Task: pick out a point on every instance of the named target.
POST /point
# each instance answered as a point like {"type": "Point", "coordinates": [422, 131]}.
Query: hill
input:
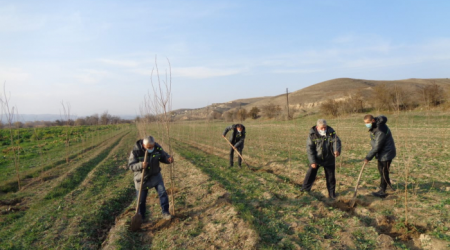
{"type": "Point", "coordinates": [311, 96]}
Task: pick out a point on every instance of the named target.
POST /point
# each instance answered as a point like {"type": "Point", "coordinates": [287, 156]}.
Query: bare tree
{"type": "Point", "coordinates": [271, 110]}
{"type": "Point", "coordinates": [433, 95]}
{"type": "Point", "coordinates": [66, 117]}
{"type": "Point", "coordinates": [241, 114]}
{"type": "Point", "coordinates": [381, 97]}
{"type": "Point", "coordinates": [330, 107]}
{"type": "Point", "coordinates": [254, 112]}
{"type": "Point", "coordinates": [162, 96]}
{"type": "Point", "coordinates": [229, 115]}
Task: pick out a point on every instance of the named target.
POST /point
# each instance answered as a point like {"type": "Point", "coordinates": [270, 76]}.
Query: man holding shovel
{"type": "Point", "coordinates": [151, 176]}
{"type": "Point", "coordinates": [383, 148]}
{"type": "Point", "coordinates": [323, 146]}
{"type": "Point", "coordinates": [237, 140]}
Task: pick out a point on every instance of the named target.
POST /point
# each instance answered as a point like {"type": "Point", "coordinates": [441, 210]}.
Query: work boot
{"type": "Point", "coordinates": [381, 193]}
{"type": "Point", "coordinates": [167, 216]}
{"type": "Point", "coordinates": [332, 195]}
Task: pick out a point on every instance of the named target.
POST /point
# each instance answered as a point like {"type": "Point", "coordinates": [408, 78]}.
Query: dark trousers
{"type": "Point", "coordinates": [329, 175]}
{"type": "Point", "coordinates": [383, 168]}
{"type": "Point", "coordinates": [239, 149]}
{"type": "Point", "coordinates": [156, 182]}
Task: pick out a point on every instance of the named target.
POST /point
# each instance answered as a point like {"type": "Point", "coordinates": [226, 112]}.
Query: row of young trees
{"type": "Point", "coordinates": [391, 98]}
{"type": "Point", "coordinates": [269, 111]}
{"type": "Point", "coordinates": [95, 119]}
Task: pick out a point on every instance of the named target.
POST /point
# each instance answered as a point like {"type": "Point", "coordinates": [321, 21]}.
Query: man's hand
{"type": "Point", "coordinates": [336, 154]}
{"type": "Point", "coordinates": [366, 161]}
{"type": "Point", "coordinates": [144, 165]}
{"type": "Point", "coordinates": [223, 136]}
{"type": "Point", "coordinates": [170, 160]}
{"type": "Point", "coordinates": [314, 165]}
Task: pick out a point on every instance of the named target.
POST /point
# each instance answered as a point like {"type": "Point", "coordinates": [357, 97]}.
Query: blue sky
{"type": "Point", "coordinates": [98, 55]}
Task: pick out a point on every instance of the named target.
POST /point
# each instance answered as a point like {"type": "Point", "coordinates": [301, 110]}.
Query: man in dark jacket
{"type": "Point", "coordinates": [237, 139]}
{"type": "Point", "coordinates": [383, 148]}
{"type": "Point", "coordinates": [152, 174]}
{"type": "Point", "coordinates": [323, 146]}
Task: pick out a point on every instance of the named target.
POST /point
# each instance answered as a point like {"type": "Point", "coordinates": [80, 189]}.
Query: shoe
{"type": "Point", "coordinates": [167, 216]}
{"type": "Point", "coordinates": [380, 194]}
{"type": "Point", "coordinates": [332, 196]}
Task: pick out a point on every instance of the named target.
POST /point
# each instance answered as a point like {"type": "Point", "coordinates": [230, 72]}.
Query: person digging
{"type": "Point", "coordinates": [152, 176]}
{"type": "Point", "coordinates": [237, 140]}
{"type": "Point", "coordinates": [383, 149]}
{"type": "Point", "coordinates": [323, 146]}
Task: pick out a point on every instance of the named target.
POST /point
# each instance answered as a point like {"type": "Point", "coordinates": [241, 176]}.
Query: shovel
{"type": "Point", "coordinates": [237, 152]}
{"type": "Point", "coordinates": [136, 221]}
{"type": "Point", "coordinates": [352, 203]}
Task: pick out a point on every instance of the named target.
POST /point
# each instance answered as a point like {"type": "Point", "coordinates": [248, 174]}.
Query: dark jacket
{"type": "Point", "coordinates": [237, 139]}
{"type": "Point", "coordinates": [320, 149]}
{"type": "Point", "coordinates": [137, 157]}
{"type": "Point", "coordinates": [381, 140]}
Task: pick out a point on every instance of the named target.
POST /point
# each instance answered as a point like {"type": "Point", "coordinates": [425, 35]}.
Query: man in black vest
{"type": "Point", "coordinates": [383, 148]}
{"type": "Point", "coordinates": [152, 176]}
{"type": "Point", "coordinates": [237, 139]}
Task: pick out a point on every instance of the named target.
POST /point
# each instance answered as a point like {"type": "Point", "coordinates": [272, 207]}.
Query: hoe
{"type": "Point", "coordinates": [237, 152]}
{"type": "Point", "coordinates": [352, 203]}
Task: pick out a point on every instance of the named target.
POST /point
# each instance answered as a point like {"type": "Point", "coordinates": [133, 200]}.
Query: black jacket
{"type": "Point", "coordinates": [381, 140]}
{"type": "Point", "coordinates": [320, 149]}
{"type": "Point", "coordinates": [237, 139]}
{"type": "Point", "coordinates": [137, 157]}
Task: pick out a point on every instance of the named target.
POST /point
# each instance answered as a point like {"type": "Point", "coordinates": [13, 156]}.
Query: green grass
{"type": "Point", "coordinates": [76, 215]}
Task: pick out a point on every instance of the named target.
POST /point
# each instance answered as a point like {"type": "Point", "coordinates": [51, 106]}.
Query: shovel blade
{"type": "Point", "coordinates": [136, 222]}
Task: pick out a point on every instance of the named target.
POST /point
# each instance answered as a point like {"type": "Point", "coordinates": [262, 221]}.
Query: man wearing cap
{"type": "Point", "coordinates": [323, 146]}
{"type": "Point", "coordinates": [237, 139]}
{"type": "Point", "coordinates": [152, 174]}
{"type": "Point", "coordinates": [383, 149]}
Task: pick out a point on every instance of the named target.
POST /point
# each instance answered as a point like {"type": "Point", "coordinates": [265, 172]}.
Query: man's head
{"type": "Point", "coordinates": [239, 128]}
{"type": "Point", "coordinates": [148, 142]}
{"type": "Point", "coordinates": [369, 120]}
{"type": "Point", "coordinates": [321, 125]}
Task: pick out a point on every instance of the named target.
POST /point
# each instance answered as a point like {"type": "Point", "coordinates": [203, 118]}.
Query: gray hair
{"type": "Point", "coordinates": [321, 122]}
{"type": "Point", "coordinates": [149, 140]}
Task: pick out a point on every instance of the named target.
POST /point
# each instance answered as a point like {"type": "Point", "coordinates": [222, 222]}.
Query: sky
{"type": "Point", "coordinates": [99, 55]}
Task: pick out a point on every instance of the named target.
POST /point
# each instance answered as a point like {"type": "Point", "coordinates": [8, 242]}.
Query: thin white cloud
{"type": "Point", "coordinates": [192, 72]}
{"type": "Point", "coordinates": [120, 63]}
{"type": "Point", "coordinates": [203, 72]}
{"type": "Point", "coordinates": [296, 71]}
{"type": "Point", "coordinates": [13, 75]}
{"type": "Point", "coordinates": [89, 76]}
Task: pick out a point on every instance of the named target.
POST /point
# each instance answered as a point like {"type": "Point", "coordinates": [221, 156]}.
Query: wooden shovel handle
{"type": "Point", "coordinates": [142, 183]}
{"type": "Point", "coordinates": [236, 150]}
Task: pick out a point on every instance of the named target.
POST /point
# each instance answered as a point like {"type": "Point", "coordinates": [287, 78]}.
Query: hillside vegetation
{"type": "Point", "coordinates": [311, 97]}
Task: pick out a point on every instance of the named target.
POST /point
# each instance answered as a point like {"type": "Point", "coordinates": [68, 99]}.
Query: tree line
{"type": "Point", "coordinates": [103, 119]}
{"type": "Point", "coordinates": [390, 98]}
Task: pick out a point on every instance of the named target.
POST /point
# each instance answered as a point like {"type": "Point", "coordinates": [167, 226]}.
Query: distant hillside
{"type": "Point", "coordinates": [310, 97]}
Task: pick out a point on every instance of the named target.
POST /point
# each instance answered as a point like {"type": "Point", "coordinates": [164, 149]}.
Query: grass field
{"type": "Point", "coordinates": [88, 203]}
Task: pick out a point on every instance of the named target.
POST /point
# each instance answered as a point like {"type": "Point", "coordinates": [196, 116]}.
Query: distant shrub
{"type": "Point", "coordinates": [271, 110]}
{"type": "Point", "coordinates": [254, 112]}
{"type": "Point", "coordinates": [241, 114]}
